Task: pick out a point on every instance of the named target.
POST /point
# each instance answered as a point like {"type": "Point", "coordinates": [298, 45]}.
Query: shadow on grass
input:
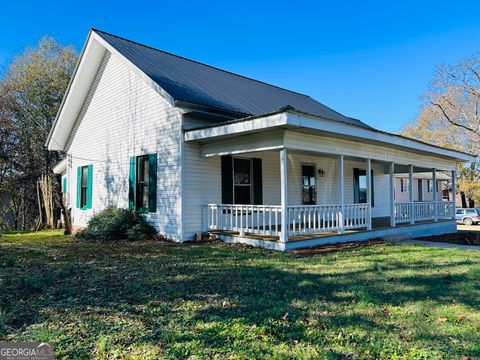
{"type": "Point", "coordinates": [210, 299]}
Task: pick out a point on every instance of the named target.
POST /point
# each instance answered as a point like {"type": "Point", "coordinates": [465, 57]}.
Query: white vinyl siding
{"type": "Point", "coordinates": [123, 116]}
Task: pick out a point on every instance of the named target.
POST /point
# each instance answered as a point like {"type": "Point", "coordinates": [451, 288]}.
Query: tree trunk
{"type": "Point", "coordinates": [66, 213]}
{"type": "Point", "coordinates": [464, 200]}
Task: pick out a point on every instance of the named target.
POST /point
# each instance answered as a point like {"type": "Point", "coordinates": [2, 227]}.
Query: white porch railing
{"type": "Point", "coordinates": [308, 219]}
{"type": "Point", "coordinates": [302, 219]}
{"type": "Point", "coordinates": [423, 211]}
{"type": "Point", "coordinates": [356, 216]}
{"type": "Point", "coordinates": [445, 209]}
{"type": "Point", "coordinates": [254, 219]}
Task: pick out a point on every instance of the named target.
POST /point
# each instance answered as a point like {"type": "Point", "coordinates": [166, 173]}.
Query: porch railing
{"type": "Point", "coordinates": [307, 219]}
{"type": "Point", "coordinates": [254, 219]}
{"type": "Point", "coordinates": [302, 219]}
{"type": "Point", "coordinates": [423, 211]}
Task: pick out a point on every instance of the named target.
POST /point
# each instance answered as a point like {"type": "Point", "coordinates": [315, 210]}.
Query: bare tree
{"type": "Point", "coordinates": [31, 90]}
{"type": "Point", "coordinates": [450, 117]}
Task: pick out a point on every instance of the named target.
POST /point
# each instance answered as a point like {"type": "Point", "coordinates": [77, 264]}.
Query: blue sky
{"type": "Point", "coordinates": [367, 59]}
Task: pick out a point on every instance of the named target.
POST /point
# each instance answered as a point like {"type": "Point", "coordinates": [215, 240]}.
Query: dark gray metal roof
{"type": "Point", "coordinates": [199, 84]}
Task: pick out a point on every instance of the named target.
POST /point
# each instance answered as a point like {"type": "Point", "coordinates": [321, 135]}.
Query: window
{"type": "Point", "coordinates": [142, 183]}
{"type": "Point", "coordinates": [404, 185]}
{"type": "Point", "coordinates": [64, 190]}
{"type": "Point", "coordinates": [445, 194]}
{"type": "Point", "coordinates": [471, 212]}
{"type": "Point", "coordinates": [430, 186]}
{"type": "Point", "coordinates": [360, 186]}
{"type": "Point", "coordinates": [84, 187]}
{"type": "Point", "coordinates": [309, 185]}
{"type": "Point", "coordinates": [459, 212]}
{"type": "Point", "coordinates": [142, 195]}
{"type": "Point", "coordinates": [242, 181]}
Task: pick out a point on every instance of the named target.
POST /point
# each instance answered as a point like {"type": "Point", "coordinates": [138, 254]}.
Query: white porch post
{"type": "Point", "coordinates": [369, 193]}
{"type": "Point", "coordinates": [410, 193]}
{"type": "Point", "coordinates": [454, 189]}
{"type": "Point", "coordinates": [341, 176]}
{"type": "Point", "coordinates": [284, 195]}
{"type": "Point", "coordinates": [434, 193]}
{"type": "Point", "coordinates": [392, 194]}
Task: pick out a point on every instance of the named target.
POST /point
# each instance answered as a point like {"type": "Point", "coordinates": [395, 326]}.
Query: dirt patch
{"type": "Point", "coordinates": [462, 238]}
{"type": "Point", "coordinates": [327, 248]}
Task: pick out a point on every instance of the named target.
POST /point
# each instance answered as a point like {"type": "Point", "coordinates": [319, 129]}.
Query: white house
{"type": "Point", "coordinates": [196, 148]}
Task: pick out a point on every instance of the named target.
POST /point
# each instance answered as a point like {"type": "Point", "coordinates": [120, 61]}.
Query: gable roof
{"type": "Point", "coordinates": [195, 83]}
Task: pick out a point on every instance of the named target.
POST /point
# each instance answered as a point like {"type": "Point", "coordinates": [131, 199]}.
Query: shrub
{"type": "Point", "coordinates": [115, 224]}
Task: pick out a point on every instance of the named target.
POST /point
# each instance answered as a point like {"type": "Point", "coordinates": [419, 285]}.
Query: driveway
{"type": "Point", "coordinates": [471, 228]}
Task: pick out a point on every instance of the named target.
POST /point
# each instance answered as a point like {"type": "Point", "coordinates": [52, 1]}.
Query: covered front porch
{"type": "Point", "coordinates": [365, 199]}
{"type": "Point", "coordinates": [299, 181]}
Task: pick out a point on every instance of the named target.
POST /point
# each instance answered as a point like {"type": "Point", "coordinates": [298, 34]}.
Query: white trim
{"type": "Point", "coordinates": [341, 176]}
{"type": "Point", "coordinates": [369, 192]}
{"type": "Point", "coordinates": [391, 170]}
{"type": "Point", "coordinates": [284, 194]}
{"type": "Point", "coordinates": [60, 167]}
{"type": "Point", "coordinates": [294, 120]}
{"type": "Point", "coordinates": [410, 192]}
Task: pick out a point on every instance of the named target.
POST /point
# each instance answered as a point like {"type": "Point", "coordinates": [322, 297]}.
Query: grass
{"type": "Point", "coordinates": [151, 300]}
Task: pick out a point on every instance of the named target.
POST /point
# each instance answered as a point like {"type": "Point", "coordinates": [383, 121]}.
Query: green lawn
{"type": "Point", "coordinates": [161, 300]}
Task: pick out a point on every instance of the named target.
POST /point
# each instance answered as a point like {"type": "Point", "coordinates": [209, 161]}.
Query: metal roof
{"type": "Point", "coordinates": [199, 84]}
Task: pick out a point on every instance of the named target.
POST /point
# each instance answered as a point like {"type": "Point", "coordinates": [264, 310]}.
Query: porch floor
{"type": "Point", "coordinates": [377, 224]}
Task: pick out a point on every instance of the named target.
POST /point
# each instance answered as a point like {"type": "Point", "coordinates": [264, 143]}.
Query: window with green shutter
{"type": "Point", "coordinates": [84, 187]}
{"type": "Point", "coordinates": [142, 194]}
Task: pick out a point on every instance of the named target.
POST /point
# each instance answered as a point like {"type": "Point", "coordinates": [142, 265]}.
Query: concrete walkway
{"type": "Point", "coordinates": [438, 245]}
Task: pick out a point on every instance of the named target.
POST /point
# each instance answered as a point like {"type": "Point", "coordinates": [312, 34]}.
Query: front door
{"type": "Point", "coordinates": [420, 190]}
{"type": "Point", "coordinates": [309, 185]}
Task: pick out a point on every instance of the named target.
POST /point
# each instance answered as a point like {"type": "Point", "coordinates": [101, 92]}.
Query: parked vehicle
{"type": "Point", "coordinates": [467, 216]}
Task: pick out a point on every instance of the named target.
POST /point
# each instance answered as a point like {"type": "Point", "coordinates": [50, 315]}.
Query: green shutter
{"type": "Point", "coordinates": [89, 186]}
{"type": "Point", "coordinates": [152, 183]}
{"type": "Point", "coordinates": [79, 185]}
{"type": "Point", "coordinates": [356, 186]}
{"type": "Point", "coordinates": [64, 185]}
{"type": "Point", "coordinates": [131, 184]}
{"type": "Point", "coordinates": [227, 179]}
{"type": "Point", "coordinates": [257, 181]}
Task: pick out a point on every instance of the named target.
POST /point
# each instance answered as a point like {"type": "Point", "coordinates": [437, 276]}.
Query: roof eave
{"type": "Point", "coordinates": [295, 119]}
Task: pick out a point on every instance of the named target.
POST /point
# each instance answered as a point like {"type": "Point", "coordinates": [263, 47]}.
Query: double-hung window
{"type": "Point", "coordinates": [241, 180]}
{"type": "Point", "coordinates": [84, 187]}
{"type": "Point", "coordinates": [143, 183]}
{"type": "Point", "coordinates": [309, 185]}
{"type": "Point", "coordinates": [360, 186]}
{"type": "Point", "coordinates": [404, 185]}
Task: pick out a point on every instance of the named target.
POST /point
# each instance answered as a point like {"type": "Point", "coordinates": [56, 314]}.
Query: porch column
{"type": "Point", "coordinates": [434, 193]}
{"type": "Point", "coordinates": [369, 193]}
{"type": "Point", "coordinates": [410, 193]}
{"type": "Point", "coordinates": [341, 170]}
{"type": "Point", "coordinates": [392, 194]}
{"type": "Point", "coordinates": [284, 195]}
{"type": "Point", "coordinates": [454, 192]}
